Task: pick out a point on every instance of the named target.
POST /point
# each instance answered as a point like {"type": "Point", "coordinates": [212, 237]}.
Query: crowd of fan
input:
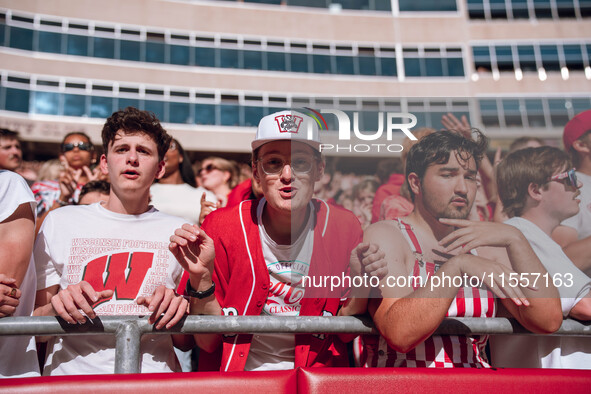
{"type": "Point", "coordinates": [392, 208]}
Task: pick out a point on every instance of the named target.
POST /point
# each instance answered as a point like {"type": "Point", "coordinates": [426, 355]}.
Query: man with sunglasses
{"type": "Point", "coordinates": [574, 234]}
{"type": "Point", "coordinates": [539, 189]}
{"type": "Point", "coordinates": [263, 248]}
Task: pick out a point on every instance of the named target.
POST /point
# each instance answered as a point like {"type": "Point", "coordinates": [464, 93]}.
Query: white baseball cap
{"type": "Point", "coordinates": [287, 125]}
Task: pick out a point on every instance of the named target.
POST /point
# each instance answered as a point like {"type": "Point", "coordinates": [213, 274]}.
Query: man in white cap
{"type": "Point", "coordinates": [263, 248]}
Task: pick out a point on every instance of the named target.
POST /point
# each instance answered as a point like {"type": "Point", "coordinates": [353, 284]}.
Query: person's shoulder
{"type": "Point", "coordinates": [11, 179]}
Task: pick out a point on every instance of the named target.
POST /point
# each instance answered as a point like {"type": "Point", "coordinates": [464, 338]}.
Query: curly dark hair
{"type": "Point", "coordinates": [436, 148]}
{"type": "Point", "coordinates": [132, 120]}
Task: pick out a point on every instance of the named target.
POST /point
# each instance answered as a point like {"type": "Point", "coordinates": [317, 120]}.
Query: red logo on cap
{"type": "Point", "coordinates": [288, 123]}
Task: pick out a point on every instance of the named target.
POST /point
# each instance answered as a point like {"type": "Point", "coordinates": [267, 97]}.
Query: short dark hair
{"type": "Point", "coordinates": [133, 120]}
{"type": "Point", "coordinates": [522, 167]}
{"type": "Point", "coordinates": [6, 133]}
{"type": "Point", "coordinates": [102, 187]}
{"type": "Point", "coordinates": [436, 148]}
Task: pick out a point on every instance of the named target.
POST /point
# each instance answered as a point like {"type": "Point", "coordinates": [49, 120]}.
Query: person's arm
{"type": "Point", "coordinates": [194, 250]}
{"type": "Point", "coordinates": [404, 317]}
{"type": "Point", "coordinates": [17, 235]}
{"type": "Point", "coordinates": [582, 309]}
{"type": "Point", "coordinates": [508, 246]}
{"type": "Point", "coordinates": [578, 250]}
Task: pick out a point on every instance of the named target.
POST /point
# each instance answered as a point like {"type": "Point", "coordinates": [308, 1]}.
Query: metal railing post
{"type": "Point", "coordinates": [127, 347]}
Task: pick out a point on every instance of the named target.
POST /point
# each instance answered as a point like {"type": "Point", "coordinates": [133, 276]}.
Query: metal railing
{"type": "Point", "coordinates": [129, 329]}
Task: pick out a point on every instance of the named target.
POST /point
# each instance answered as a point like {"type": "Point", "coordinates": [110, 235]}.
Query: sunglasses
{"type": "Point", "coordinates": [273, 165]}
{"type": "Point", "coordinates": [207, 168]}
{"type": "Point", "coordinates": [80, 145]}
{"type": "Point", "coordinates": [570, 174]}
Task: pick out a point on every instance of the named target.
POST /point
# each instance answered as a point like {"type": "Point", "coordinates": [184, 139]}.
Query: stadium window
{"type": "Point", "coordinates": [519, 9]}
{"type": "Point", "coordinates": [104, 47]}
{"type": "Point", "coordinates": [298, 62]}
{"type": "Point", "coordinates": [550, 58]}
{"type": "Point", "coordinates": [482, 61]}
{"type": "Point", "coordinates": [534, 109]}
{"type": "Point", "coordinates": [585, 8]}
{"type": "Point", "coordinates": [412, 66]}
{"type": "Point", "coordinates": [580, 104]}
{"type": "Point", "coordinates": [427, 5]}
{"type": "Point", "coordinates": [21, 38]}
{"type": "Point", "coordinates": [123, 103]}
{"type": "Point", "coordinates": [155, 52]}
{"type": "Point", "coordinates": [433, 67]}
{"type": "Point", "coordinates": [388, 65]}
{"type": "Point", "coordinates": [367, 65]}
{"type": "Point", "coordinates": [74, 105]}
{"type": "Point", "coordinates": [155, 106]}
{"type": "Point", "coordinates": [229, 58]}
{"type": "Point", "coordinates": [573, 56]}
{"type": "Point", "coordinates": [322, 64]}
{"type": "Point", "coordinates": [527, 58]}
{"type": "Point", "coordinates": [101, 107]}
{"type": "Point", "coordinates": [309, 3]}
{"type": "Point", "coordinates": [565, 9]}
{"type": "Point", "coordinates": [130, 50]}
{"type": "Point", "coordinates": [230, 115]}
{"type": "Point", "coordinates": [489, 112]}
{"type": "Point", "coordinates": [252, 60]}
{"type": "Point", "coordinates": [276, 61]}
{"type": "Point", "coordinates": [504, 56]}
{"type": "Point", "coordinates": [382, 5]}
{"type": "Point", "coordinates": [558, 112]}
{"type": "Point", "coordinates": [345, 65]}
{"type": "Point", "coordinates": [17, 100]}
{"type": "Point", "coordinates": [205, 57]}
{"type": "Point", "coordinates": [46, 103]}
{"type": "Point", "coordinates": [476, 9]}
{"type": "Point", "coordinates": [179, 113]}
{"type": "Point", "coordinates": [543, 8]}
{"type": "Point", "coordinates": [512, 112]}
{"type": "Point", "coordinates": [252, 115]}
{"type": "Point", "coordinates": [498, 9]}
{"type": "Point", "coordinates": [205, 114]}
{"type": "Point", "coordinates": [50, 42]}
{"type": "Point", "coordinates": [77, 45]}
{"type": "Point", "coordinates": [2, 34]}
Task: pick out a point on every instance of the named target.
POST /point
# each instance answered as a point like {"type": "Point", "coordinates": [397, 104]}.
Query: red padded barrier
{"type": "Point", "coordinates": [165, 383]}
{"type": "Point", "coordinates": [430, 380]}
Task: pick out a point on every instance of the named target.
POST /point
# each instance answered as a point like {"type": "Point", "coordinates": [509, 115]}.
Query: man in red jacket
{"type": "Point", "coordinates": [265, 249]}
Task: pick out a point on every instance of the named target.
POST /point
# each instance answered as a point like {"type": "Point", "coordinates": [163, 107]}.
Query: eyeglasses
{"type": "Point", "coordinates": [570, 174]}
{"type": "Point", "coordinates": [172, 146]}
{"type": "Point", "coordinates": [273, 165]}
{"type": "Point", "coordinates": [80, 145]}
{"type": "Point", "coordinates": [207, 168]}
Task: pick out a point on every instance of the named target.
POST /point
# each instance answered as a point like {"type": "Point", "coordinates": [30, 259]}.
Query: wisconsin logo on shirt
{"type": "Point", "coordinates": [124, 273]}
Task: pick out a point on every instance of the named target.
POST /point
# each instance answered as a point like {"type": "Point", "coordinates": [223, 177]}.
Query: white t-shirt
{"type": "Point", "coordinates": [520, 351]}
{"type": "Point", "coordinates": [180, 200]}
{"type": "Point", "coordinates": [582, 220]}
{"type": "Point", "coordinates": [287, 265]}
{"type": "Point", "coordinates": [125, 253]}
{"type": "Point", "coordinates": [19, 354]}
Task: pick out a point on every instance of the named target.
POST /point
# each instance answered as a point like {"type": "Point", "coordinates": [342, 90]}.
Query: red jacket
{"type": "Point", "coordinates": [242, 279]}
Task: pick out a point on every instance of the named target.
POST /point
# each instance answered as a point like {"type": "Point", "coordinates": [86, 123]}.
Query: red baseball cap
{"type": "Point", "coordinates": [575, 128]}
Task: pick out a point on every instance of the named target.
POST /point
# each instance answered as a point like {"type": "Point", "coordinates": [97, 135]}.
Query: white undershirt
{"type": "Point", "coordinates": [286, 264]}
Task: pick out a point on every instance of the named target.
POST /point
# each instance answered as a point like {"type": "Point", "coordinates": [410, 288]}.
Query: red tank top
{"type": "Point", "coordinates": [447, 351]}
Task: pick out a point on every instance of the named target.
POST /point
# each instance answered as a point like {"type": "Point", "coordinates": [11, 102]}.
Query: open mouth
{"type": "Point", "coordinates": [131, 174]}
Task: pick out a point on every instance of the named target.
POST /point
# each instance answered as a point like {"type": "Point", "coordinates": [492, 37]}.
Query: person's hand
{"type": "Point", "coordinates": [495, 276]}
{"type": "Point", "coordinates": [67, 302]}
{"type": "Point", "coordinates": [91, 175]}
{"type": "Point", "coordinates": [193, 249]}
{"type": "Point", "coordinates": [9, 295]}
{"type": "Point", "coordinates": [68, 181]}
{"type": "Point", "coordinates": [165, 301]}
{"type": "Point", "coordinates": [473, 234]}
{"type": "Point", "coordinates": [450, 122]}
{"type": "Point", "coordinates": [207, 207]}
{"type": "Point", "coordinates": [368, 258]}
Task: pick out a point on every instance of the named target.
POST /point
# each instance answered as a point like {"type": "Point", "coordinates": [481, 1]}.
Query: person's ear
{"type": "Point", "coordinates": [534, 191]}
{"type": "Point", "coordinates": [104, 165]}
{"type": "Point", "coordinates": [581, 146]}
{"type": "Point", "coordinates": [321, 166]}
{"type": "Point", "coordinates": [414, 183]}
{"type": "Point", "coordinates": [161, 170]}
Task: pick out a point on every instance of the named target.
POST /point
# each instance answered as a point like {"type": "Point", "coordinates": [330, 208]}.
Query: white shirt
{"type": "Point", "coordinates": [182, 200]}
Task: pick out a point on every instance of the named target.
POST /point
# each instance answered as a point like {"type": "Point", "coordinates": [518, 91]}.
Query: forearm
{"type": "Point", "coordinates": [205, 306]}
